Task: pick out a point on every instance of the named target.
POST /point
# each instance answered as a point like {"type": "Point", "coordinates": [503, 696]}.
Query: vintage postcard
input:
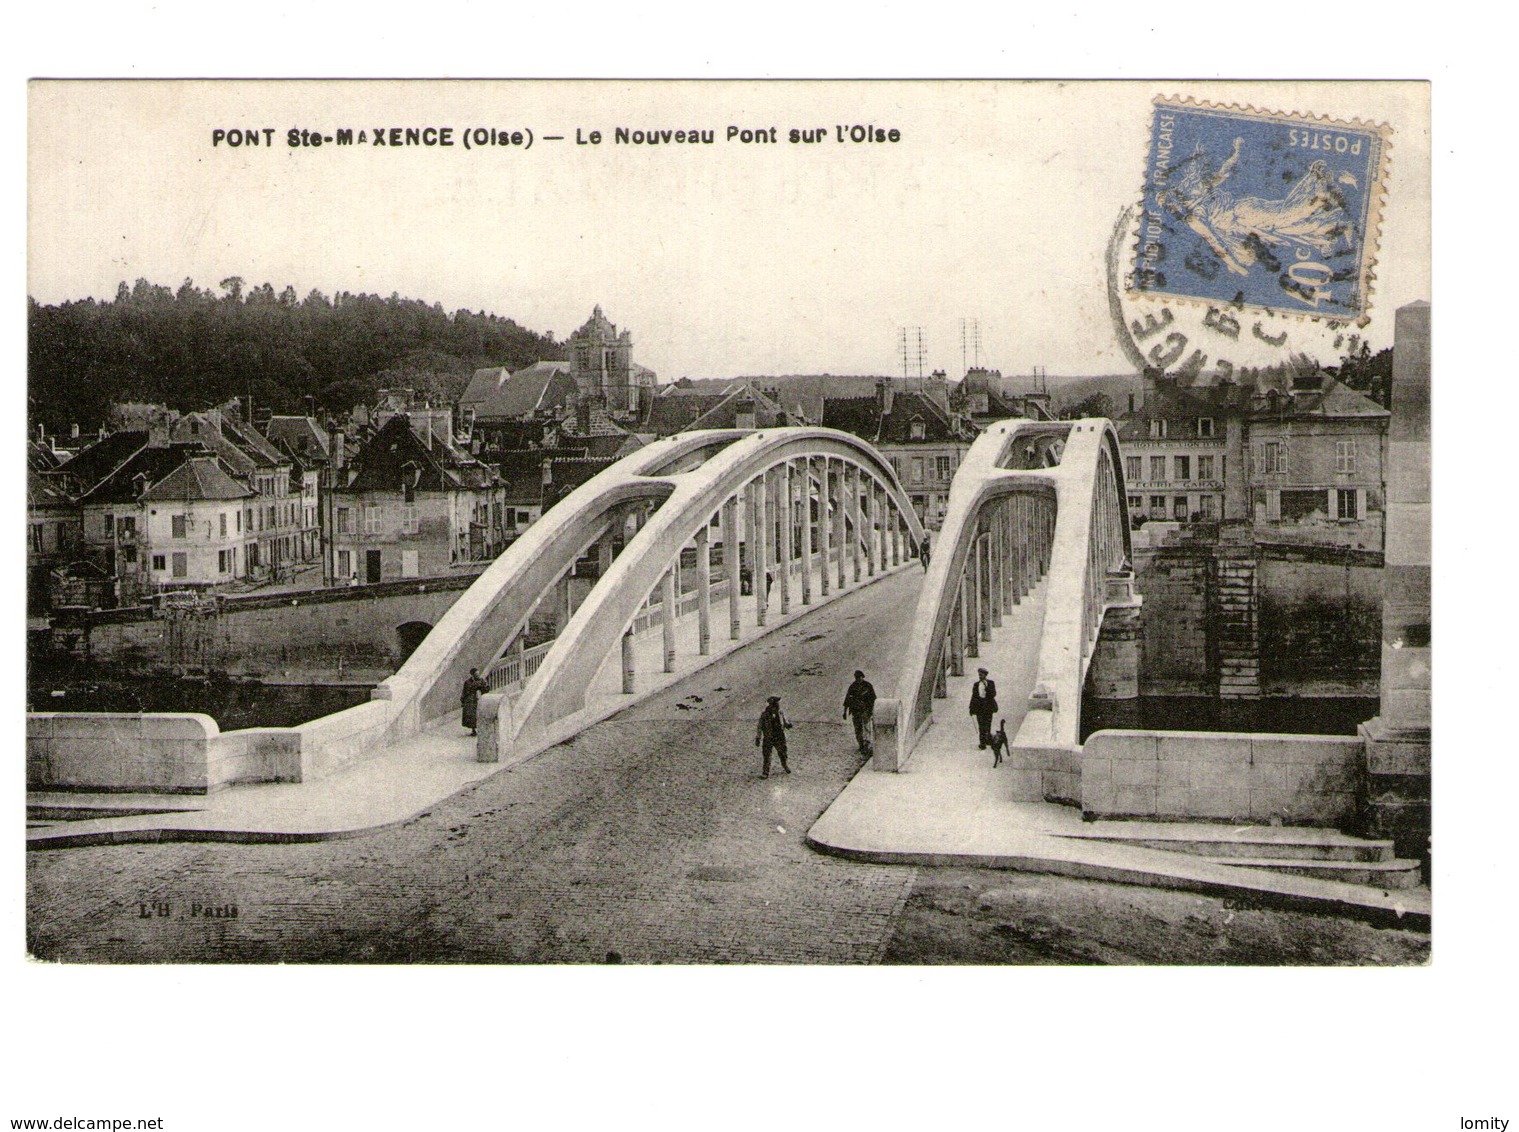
{"type": "Point", "coordinates": [605, 522]}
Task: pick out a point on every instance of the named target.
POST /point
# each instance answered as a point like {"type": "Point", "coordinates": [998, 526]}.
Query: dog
{"type": "Point", "coordinates": [999, 743]}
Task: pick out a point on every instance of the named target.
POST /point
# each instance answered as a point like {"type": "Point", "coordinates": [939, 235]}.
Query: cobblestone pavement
{"type": "Point", "coordinates": [649, 837]}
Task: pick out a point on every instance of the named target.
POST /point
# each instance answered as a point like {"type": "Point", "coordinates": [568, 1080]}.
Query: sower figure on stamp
{"type": "Point", "coordinates": [983, 705]}
{"type": "Point", "coordinates": [860, 705]}
{"type": "Point", "coordinates": [469, 698]}
{"type": "Point", "coordinates": [771, 735]}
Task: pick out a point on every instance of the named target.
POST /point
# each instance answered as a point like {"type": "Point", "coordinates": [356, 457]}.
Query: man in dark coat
{"type": "Point", "coordinates": [771, 734]}
{"type": "Point", "coordinates": [469, 699]}
{"type": "Point", "coordinates": [860, 705]}
{"type": "Point", "coordinates": [983, 705]}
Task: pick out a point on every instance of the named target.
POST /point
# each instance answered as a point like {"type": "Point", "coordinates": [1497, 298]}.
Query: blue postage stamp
{"type": "Point", "coordinates": [1253, 209]}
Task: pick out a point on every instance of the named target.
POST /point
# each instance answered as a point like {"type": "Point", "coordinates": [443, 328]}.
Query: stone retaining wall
{"type": "Point", "coordinates": [1193, 775]}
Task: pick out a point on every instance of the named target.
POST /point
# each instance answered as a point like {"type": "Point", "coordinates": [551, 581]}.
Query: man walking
{"type": "Point", "coordinates": [860, 705]}
{"type": "Point", "coordinates": [771, 735]}
{"type": "Point", "coordinates": [983, 705]}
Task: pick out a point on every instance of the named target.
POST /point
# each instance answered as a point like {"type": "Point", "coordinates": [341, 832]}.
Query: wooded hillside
{"type": "Point", "coordinates": [194, 347]}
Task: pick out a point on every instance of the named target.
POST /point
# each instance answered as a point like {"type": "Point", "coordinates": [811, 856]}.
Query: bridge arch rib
{"type": "Point", "coordinates": [1033, 503]}
{"type": "Point", "coordinates": [849, 519]}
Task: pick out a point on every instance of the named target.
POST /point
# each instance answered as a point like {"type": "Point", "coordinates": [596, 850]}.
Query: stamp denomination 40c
{"type": "Point", "coordinates": [1248, 208]}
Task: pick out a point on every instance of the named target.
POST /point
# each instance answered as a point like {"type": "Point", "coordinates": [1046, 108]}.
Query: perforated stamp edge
{"type": "Point", "coordinates": [1376, 201]}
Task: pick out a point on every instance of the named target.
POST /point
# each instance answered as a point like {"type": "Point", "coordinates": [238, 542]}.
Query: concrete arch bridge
{"type": "Point", "coordinates": [1032, 561]}
{"type": "Point", "coordinates": [792, 515]}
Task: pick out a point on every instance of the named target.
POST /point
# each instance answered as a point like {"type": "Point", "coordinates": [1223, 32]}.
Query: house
{"type": "Point", "coordinates": [980, 398]}
{"type": "Point", "coordinates": [272, 517]}
{"type": "Point", "coordinates": [1183, 452]}
{"type": "Point", "coordinates": [740, 405]}
{"type": "Point", "coordinates": [1317, 463]}
{"type": "Point", "coordinates": [1299, 456]}
{"type": "Point", "coordinates": [193, 522]}
{"type": "Point", "coordinates": [412, 504]}
{"type": "Point", "coordinates": [924, 442]}
{"type": "Point", "coordinates": [310, 449]}
{"type": "Point", "coordinates": [496, 395]}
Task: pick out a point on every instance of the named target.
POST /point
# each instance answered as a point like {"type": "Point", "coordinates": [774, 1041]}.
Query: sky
{"type": "Point", "coordinates": [993, 208]}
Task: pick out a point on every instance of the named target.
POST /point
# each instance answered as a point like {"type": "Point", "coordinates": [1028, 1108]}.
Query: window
{"type": "Point", "coordinates": [239, 516]}
{"type": "Point", "coordinates": [36, 532]}
{"type": "Point", "coordinates": [1157, 506]}
{"type": "Point", "coordinates": [159, 563]}
{"type": "Point", "coordinates": [1179, 508]}
{"type": "Point", "coordinates": [1344, 458]}
{"type": "Point", "coordinates": [917, 469]}
{"type": "Point", "coordinates": [126, 527]}
{"type": "Point", "coordinates": [1158, 468]}
{"type": "Point", "coordinates": [181, 564]}
{"type": "Point", "coordinates": [1205, 467]}
{"type": "Point", "coordinates": [1133, 466]}
{"type": "Point", "coordinates": [345, 564]}
{"type": "Point", "coordinates": [1136, 503]}
{"type": "Point", "coordinates": [1207, 504]}
{"type": "Point", "coordinates": [223, 525]}
{"type": "Point", "coordinates": [946, 467]}
{"type": "Point", "coordinates": [409, 519]}
{"type": "Point", "coordinates": [221, 561]}
{"type": "Point", "coordinates": [371, 519]}
{"type": "Point", "coordinates": [345, 523]}
{"type": "Point", "coordinates": [1183, 467]}
{"type": "Point", "coordinates": [524, 518]}
{"type": "Point", "coordinates": [1272, 458]}
{"type": "Point", "coordinates": [915, 430]}
{"type": "Point", "coordinates": [129, 555]}
{"type": "Point", "coordinates": [1157, 430]}
{"type": "Point", "coordinates": [110, 525]}
{"type": "Point", "coordinates": [1205, 428]}
{"type": "Point", "coordinates": [1347, 502]}
{"type": "Point", "coordinates": [408, 563]}
{"type": "Point", "coordinates": [177, 526]}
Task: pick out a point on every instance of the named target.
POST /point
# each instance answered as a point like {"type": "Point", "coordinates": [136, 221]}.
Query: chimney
{"type": "Point", "coordinates": [74, 431]}
{"type": "Point", "coordinates": [139, 485]}
{"type": "Point", "coordinates": [548, 471]}
{"type": "Point", "coordinates": [583, 416]}
{"type": "Point", "coordinates": [744, 417]}
{"type": "Point", "coordinates": [339, 453]}
{"type": "Point", "coordinates": [1132, 406]}
{"type": "Point", "coordinates": [884, 396]}
{"type": "Point", "coordinates": [310, 402]}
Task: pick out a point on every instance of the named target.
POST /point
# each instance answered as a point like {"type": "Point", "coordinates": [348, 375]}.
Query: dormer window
{"type": "Point", "coordinates": [1205, 428]}
{"type": "Point", "coordinates": [1157, 430]}
{"type": "Point", "coordinates": [915, 430]}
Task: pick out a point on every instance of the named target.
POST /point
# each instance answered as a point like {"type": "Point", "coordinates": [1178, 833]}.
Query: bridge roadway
{"type": "Point", "coordinates": [650, 835]}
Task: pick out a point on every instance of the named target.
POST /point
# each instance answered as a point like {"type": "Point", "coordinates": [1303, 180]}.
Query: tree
{"type": "Point", "coordinates": [1366, 372]}
{"type": "Point", "coordinates": [1095, 405]}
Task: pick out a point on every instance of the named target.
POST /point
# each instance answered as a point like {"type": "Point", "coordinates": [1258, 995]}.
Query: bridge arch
{"type": "Point", "coordinates": [849, 519]}
{"type": "Point", "coordinates": [1033, 503]}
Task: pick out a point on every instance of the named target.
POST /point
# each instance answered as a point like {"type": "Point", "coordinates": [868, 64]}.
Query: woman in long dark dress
{"type": "Point", "coordinates": [469, 698]}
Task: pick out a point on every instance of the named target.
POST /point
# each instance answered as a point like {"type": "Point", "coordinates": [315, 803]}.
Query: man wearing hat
{"type": "Point", "coordinates": [983, 705]}
{"type": "Point", "coordinates": [771, 734]}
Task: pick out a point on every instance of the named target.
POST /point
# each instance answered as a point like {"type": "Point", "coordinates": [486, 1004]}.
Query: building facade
{"type": "Point", "coordinates": [413, 505]}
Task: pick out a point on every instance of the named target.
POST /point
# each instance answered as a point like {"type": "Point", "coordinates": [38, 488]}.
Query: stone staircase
{"type": "Point", "coordinates": [50, 808]}
{"type": "Point", "coordinates": [1323, 854]}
